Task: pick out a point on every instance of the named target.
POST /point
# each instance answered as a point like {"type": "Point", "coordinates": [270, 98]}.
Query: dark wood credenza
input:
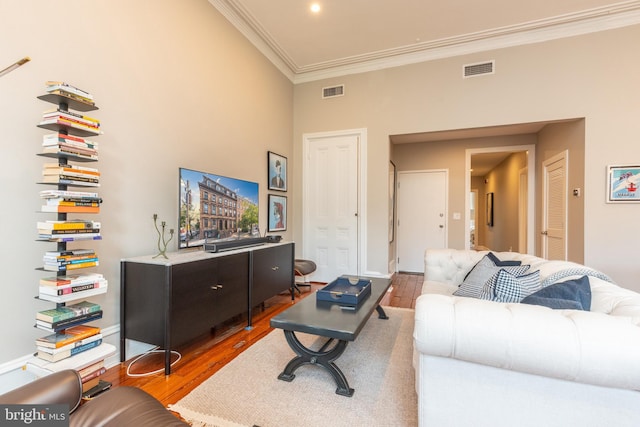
{"type": "Point", "coordinates": [169, 302]}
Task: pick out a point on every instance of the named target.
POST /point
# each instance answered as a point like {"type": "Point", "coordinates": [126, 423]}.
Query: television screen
{"type": "Point", "coordinates": [215, 208]}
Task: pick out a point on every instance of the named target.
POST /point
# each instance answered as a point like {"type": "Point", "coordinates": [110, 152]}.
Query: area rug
{"type": "Point", "coordinates": [247, 391]}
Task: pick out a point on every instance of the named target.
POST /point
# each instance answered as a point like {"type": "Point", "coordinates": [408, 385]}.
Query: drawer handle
{"type": "Point", "coordinates": [216, 287]}
{"type": "Point", "coordinates": [276, 268]}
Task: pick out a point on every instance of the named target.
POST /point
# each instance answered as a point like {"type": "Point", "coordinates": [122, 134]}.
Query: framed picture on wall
{"type": "Point", "coordinates": [490, 209]}
{"type": "Point", "coordinates": [622, 184]}
{"type": "Point", "coordinates": [277, 167]}
{"type": "Point", "coordinates": [277, 213]}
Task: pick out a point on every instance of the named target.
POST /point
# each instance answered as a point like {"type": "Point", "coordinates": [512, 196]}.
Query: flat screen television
{"type": "Point", "coordinates": [215, 208]}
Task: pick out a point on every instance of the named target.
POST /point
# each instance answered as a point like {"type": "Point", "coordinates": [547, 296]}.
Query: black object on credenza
{"type": "Point", "coordinates": [168, 303]}
{"type": "Point", "coordinates": [227, 245]}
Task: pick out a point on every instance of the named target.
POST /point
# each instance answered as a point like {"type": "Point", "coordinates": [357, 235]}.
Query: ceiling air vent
{"type": "Point", "coordinates": [333, 91]}
{"type": "Point", "coordinates": [478, 69]}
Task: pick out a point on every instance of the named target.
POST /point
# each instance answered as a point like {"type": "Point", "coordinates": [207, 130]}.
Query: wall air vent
{"type": "Point", "coordinates": [333, 91]}
{"type": "Point", "coordinates": [478, 69]}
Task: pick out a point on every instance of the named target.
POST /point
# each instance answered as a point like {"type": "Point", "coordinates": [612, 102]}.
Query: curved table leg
{"type": "Point", "coordinates": [321, 357]}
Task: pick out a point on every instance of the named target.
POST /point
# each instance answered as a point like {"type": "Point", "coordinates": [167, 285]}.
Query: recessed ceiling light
{"type": "Point", "coordinates": [315, 8]}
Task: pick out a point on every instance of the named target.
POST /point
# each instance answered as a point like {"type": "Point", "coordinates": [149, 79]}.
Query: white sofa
{"type": "Point", "coordinates": [485, 363]}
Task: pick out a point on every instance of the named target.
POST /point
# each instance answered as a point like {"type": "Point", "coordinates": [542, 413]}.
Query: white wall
{"type": "Point", "coordinates": [176, 84]}
{"type": "Point", "coordinates": [592, 76]}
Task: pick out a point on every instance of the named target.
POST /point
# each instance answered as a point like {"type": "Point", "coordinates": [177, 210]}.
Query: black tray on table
{"type": "Point", "coordinates": [345, 291]}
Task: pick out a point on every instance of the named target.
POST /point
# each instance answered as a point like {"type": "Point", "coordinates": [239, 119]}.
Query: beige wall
{"type": "Point", "coordinates": [587, 76]}
{"type": "Point", "coordinates": [176, 84]}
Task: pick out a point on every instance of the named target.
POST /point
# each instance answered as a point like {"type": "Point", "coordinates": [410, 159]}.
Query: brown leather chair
{"type": "Point", "coordinates": [120, 407]}
{"type": "Point", "coordinates": [302, 268]}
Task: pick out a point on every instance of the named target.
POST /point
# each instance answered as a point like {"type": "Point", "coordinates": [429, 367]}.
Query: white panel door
{"type": "Point", "coordinates": [554, 221]}
{"type": "Point", "coordinates": [331, 206]}
{"type": "Point", "coordinates": [422, 217]}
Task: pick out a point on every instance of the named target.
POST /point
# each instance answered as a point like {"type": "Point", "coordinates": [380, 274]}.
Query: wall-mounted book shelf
{"type": "Point", "coordinates": [67, 283]}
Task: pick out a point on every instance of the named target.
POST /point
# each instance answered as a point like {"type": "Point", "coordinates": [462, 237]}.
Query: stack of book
{"type": "Point", "coordinates": [62, 201]}
{"type": "Point", "coordinates": [68, 118]}
{"type": "Point", "coordinates": [91, 382]}
{"type": "Point", "coordinates": [60, 143]}
{"type": "Point", "coordinates": [72, 287]}
{"type": "Point", "coordinates": [70, 260]}
{"type": "Point", "coordinates": [68, 231]}
{"type": "Point", "coordinates": [61, 349]}
{"type": "Point", "coordinates": [71, 341]}
{"type": "Point", "coordinates": [60, 173]}
{"type": "Point", "coordinates": [56, 319]}
{"type": "Point", "coordinates": [65, 89]}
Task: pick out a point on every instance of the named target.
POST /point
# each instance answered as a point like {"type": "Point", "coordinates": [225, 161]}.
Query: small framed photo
{"type": "Point", "coordinates": [277, 167]}
{"type": "Point", "coordinates": [489, 212]}
{"type": "Point", "coordinates": [622, 184]}
{"type": "Point", "coordinates": [277, 213]}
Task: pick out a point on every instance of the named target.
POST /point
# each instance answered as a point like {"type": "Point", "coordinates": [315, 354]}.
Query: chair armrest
{"type": "Point", "coordinates": [64, 387]}
{"type": "Point", "coordinates": [124, 407]}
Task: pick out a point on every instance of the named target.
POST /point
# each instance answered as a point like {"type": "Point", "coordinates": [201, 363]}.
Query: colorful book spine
{"type": "Point", "coordinates": [67, 225]}
{"type": "Point", "coordinates": [69, 336]}
{"type": "Point", "coordinates": [60, 314]}
{"type": "Point", "coordinates": [64, 355]}
{"type": "Point", "coordinates": [78, 320]}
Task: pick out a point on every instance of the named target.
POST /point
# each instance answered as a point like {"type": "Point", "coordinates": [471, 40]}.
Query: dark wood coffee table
{"type": "Point", "coordinates": [332, 321]}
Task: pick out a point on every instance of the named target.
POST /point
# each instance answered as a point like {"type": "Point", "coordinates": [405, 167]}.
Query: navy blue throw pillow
{"type": "Point", "coordinates": [573, 294]}
{"type": "Point", "coordinates": [499, 263]}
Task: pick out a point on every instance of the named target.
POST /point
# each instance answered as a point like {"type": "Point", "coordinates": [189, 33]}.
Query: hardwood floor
{"type": "Point", "coordinates": [203, 358]}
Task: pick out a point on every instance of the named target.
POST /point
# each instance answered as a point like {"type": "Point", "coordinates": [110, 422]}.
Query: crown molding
{"type": "Point", "coordinates": [573, 24]}
{"type": "Point", "coordinates": [244, 23]}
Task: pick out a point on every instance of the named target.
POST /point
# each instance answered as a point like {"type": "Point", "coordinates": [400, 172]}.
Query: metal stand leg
{"type": "Point", "coordinates": [321, 357]}
{"type": "Point", "coordinates": [381, 313]}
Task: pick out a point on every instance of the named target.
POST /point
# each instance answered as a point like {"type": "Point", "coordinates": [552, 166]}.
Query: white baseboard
{"type": "Point", "coordinates": [377, 274]}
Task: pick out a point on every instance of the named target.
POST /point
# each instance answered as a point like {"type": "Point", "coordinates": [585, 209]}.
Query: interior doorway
{"type": "Point", "coordinates": [554, 209]}
{"type": "Point", "coordinates": [473, 218]}
{"type": "Point", "coordinates": [528, 204]}
{"type": "Point", "coordinates": [422, 216]}
{"type": "Point", "coordinates": [333, 210]}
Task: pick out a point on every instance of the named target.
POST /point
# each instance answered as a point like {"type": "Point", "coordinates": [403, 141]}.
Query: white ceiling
{"type": "Point", "coordinates": [353, 36]}
{"type": "Point", "coordinates": [349, 36]}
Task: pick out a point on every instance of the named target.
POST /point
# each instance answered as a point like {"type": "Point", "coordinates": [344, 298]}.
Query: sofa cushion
{"type": "Point", "coordinates": [508, 287]}
{"type": "Point", "coordinates": [571, 294]}
{"type": "Point", "coordinates": [482, 272]}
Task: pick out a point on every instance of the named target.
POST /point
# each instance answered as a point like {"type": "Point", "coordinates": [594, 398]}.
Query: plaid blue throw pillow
{"type": "Point", "coordinates": [483, 271]}
{"type": "Point", "coordinates": [509, 287]}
